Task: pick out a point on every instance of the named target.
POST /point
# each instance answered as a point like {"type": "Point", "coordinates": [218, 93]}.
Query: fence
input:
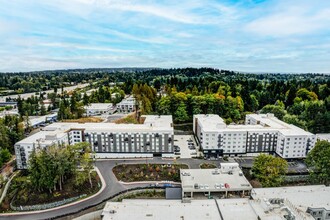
{"type": "Point", "coordinates": [44, 206]}
{"type": "Point", "coordinates": [104, 200]}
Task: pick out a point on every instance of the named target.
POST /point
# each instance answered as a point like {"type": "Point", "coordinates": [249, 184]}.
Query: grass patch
{"type": "Point", "coordinates": [85, 120]}
{"type": "Point", "coordinates": [148, 172]}
{"type": "Point", "coordinates": [129, 119]}
{"type": "Point", "coordinates": [208, 166]}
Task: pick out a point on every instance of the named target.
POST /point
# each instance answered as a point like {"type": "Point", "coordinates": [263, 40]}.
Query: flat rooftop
{"type": "Point", "coordinates": [43, 137]}
{"type": "Point", "coordinates": [302, 197]}
{"type": "Point", "coordinates": [209, 180]}
{"type": "Point", "coordinates": [34, 120]}
{"type": "Point", "coordinates": [127, 101]}
{"type": "Point", "coordinates": [270, 121]}
{"type": "Point", "coordinates": [157, 209]}
{"type": "Point", "coordinates": [152, 124]}
{"type": "Point", "coordinates": [230, 209]}
{"type": "Point", "coordinates": [324, 136]}
{"type": "Point", "coordinates": [210, 123]}
{"type": "Point", "coordinates": [98, 106]}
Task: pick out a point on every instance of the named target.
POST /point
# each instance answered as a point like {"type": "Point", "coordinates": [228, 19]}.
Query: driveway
{"type": "Point", "coordinates": [182, 142]}
{"type": "Point", "coordinates": [112, 187]}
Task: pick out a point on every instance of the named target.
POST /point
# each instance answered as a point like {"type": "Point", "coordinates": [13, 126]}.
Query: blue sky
{"type": "Point", "coordinates": [251, 35]}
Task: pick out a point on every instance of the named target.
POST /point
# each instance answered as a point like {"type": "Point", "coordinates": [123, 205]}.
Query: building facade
{"type": "Point", "coordinates": [260, 133]}
{"type": "Point", "coordinates": [127, 105]}
{"type": "Point", "coordinates": [98, 109]}
{"type": "Point", "coordinates": [108, 140]}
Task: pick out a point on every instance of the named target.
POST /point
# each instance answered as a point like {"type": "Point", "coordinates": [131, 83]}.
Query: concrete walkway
{"type": "Point", "coordinates": [4, 193]}
{"type": "Point", "coordinates": [59, 207]}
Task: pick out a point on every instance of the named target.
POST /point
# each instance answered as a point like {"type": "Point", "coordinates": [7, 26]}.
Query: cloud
{"type": "Point", "coordinates": [288, 20]}
{"type": "Point", "coordinates": [261, 36]}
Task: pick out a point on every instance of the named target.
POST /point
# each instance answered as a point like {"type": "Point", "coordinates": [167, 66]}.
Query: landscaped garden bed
{"type": "Point", "coordinates": [143, 194]}
{"type": "Point", "coordinates": [20, 193]}
{"type": "Point", "coordinates": [208, 166]}
{"type": "Point", "coordinates": [148, 172]}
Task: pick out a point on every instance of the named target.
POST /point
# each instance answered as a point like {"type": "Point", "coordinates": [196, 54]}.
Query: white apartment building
{"type": "Point", "coordinates": [127, 105]}
{"type": "Point", "coordinates": [108, 140]}
{"type": "Point", "coordinates": [98, 108]}
{"type": "Point", "coordinates": [260, 133]}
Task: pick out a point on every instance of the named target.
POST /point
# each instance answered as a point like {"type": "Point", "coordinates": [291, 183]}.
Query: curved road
{"type": "Point", "coordinates": [112, 187]}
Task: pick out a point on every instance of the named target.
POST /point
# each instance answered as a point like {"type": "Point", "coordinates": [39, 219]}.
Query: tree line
{"type": "Point", "coordinates": [50, 167]}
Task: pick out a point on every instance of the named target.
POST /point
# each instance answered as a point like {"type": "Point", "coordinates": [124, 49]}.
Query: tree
{"type": "Point", "coordinates": [181, 113]}
{"type": "Point", "coordinates": [319, 162]}
{"type": "Point", "coordinates": [269, 170]}
{"type": "Point", "coordinates": [293, 119]}
{"type": "Point", "coordinates": [277, 110]}
{"type": "Point", "coordinates": [5, 156]}
{"type": "Point", "coordinates": [43, 110]}
{"type": "Point", "coordinates": [254, 103]}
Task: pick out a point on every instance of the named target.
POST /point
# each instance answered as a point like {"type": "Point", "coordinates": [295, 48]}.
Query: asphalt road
{"type": "Point", "coordinates": [112, 187]}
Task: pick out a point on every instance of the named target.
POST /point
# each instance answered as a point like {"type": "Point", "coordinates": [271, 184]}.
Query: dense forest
{"type": "Point", "coordinates": [300, 99]}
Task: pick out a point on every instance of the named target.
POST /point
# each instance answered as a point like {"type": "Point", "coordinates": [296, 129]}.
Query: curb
{"type": "Point", "coordinates": [63, 206]}
{"type": "Point", "coordinates": [146, 182]}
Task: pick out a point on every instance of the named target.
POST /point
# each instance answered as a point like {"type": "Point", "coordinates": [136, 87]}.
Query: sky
{"type": "Point", "coordinates": [250, 36]}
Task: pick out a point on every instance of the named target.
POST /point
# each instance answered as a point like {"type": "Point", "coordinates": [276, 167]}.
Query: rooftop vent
{"type": "Point", "coordinates": [215, 172]}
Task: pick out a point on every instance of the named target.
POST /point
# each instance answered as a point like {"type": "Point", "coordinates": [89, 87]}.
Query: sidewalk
{"type": "Point", "coordinates": [63, 206]}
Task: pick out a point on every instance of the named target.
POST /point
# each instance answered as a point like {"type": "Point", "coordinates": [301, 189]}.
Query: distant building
{"type": "Point", "coordinates": [227, 181]}
{"type": "Point", "coordinates": [127, 105]}
{"type": "Point", "coordinates": [108, 140]}
{"type": "Point", "coordinates": [40, 121]}
{"type": "Point", "coordinates": [323, 137]}
{"type": "Point", "coordinates": [12, 104]}
{"type": "Point", "coordinates": [99, 109]}
{"type": "Point", "coordinates": [301, 201]}
{"type": "Point", "coordinates": [260, 133]}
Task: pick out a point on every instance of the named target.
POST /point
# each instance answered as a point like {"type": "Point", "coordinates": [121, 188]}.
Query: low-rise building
{"type": "Point", "coordinates": [323, 137]}
{"type": "Point", "coordinates": [127, 105]}
{"type": "Point", "coordinates": [260, 133]}
{"type": "Point", "coordinates": [39, 121]}
{"type": "Point", "coordinates": [99, 109]}
{"type": "Point", "coordinates": [108, 140]}
{"type": "Point", "coordinates": [227, 181]}
{"type": "Point", "coordinates": [283, 203]}
{"type": "Point", "coordinates": [301, 201]}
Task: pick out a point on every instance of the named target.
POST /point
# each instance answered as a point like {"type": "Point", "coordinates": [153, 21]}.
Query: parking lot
{"type": "Point", "coordinates": [182, 142]}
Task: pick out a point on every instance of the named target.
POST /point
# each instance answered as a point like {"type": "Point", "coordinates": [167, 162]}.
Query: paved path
{"type": "Point", "coordinates": [112, 187]}
{"type": "Point", "coordinates": [7, 186]}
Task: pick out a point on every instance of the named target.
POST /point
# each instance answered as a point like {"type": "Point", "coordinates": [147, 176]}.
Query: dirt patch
{"type": "Point", "coordinates": [130, 119]}
{"type": "Point", "coordinates": [85, 120]}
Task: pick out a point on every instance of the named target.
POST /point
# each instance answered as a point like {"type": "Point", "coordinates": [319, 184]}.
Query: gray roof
{"type": "Point", "coordinates": [173, 193]}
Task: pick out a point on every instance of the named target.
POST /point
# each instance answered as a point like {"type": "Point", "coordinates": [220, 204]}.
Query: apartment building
{"type": "Point", "coordinates": [108, 140]}
{"type": "Point", "coordinates": [260, 133]}
{"type": "Point", "coordinates": [127, 105]}
{"type": "Point", "coordinates": [99, 108]}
